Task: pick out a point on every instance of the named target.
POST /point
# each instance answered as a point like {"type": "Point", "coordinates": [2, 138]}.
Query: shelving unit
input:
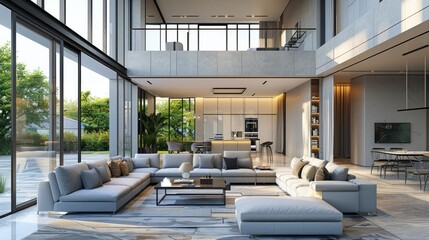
{"type": "Point", "coordinates": [315, 119]}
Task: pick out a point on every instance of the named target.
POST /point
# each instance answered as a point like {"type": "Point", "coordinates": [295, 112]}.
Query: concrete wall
{"type": "Point", "coordinates": [348, 11]}
{"type": "Point", "coordinates": [378, 25]}
{"type": "Point", "coordinates": [298, 120]}
{"type": "Point", "coordinates": [377, 99]}
{"type": "Point", "coordinates": [304, 11]}
{"type": "Point", "coordinates": [220, 64]}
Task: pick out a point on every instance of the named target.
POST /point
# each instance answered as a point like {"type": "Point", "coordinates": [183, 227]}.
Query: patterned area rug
{"type": "Point", "coordinates": [142, 219]}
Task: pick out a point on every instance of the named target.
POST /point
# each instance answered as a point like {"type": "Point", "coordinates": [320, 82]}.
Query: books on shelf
{"type": "Point", "coordinates": [314, 144]}
{"type": "Point", "coordinates": [314, 109]}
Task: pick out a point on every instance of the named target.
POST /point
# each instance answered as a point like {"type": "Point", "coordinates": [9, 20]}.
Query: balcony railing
{"type": "Point", "coordinates": [221, 37]}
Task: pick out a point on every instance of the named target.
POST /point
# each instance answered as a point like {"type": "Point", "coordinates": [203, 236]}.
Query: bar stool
{"type": "Point", "coordinates": [269, 151]}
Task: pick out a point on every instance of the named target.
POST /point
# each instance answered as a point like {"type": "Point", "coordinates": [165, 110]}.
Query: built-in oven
{"type": "Point", "coordinates": [250, 125]}
{"type": "Point", "coordinates": [254, 140]}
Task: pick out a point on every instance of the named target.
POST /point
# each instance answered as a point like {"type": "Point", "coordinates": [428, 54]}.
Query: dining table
{"type": "Point", "coordinates": [401, 158]}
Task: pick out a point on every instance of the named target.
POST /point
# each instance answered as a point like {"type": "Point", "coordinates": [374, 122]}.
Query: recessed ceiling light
{"type": "Point", "coordinates": [228, 90]}
{"type": "Point", "coordinates": [264, 83]}
{"type": "Point", "coordinates": [222, 16]}
{"type": "Point", "coordinates": [150, 16]}
{"type": "Point", "coordinates": [257, 16]}
{"type": "Point", "coordinates": [253, 94]}
{"type": "Point", "coordinates": [149, 82]}
{"type": "Point", "coordinates": [185, 16]}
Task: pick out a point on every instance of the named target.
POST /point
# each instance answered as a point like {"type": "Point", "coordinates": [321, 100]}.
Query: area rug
{"type": "Point", "coordinates": [142, 219]}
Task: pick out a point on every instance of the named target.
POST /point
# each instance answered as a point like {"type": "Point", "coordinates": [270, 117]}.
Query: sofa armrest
{"type": "Point", "coordinates": [367, 195]}
{"type": "Point", "coordinates": [333, 186]}
{"type": "Point", "coordinates": [45, 201]}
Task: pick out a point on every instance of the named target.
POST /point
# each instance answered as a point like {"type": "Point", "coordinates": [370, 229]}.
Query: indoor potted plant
{"type": "Point", "coordinates": [153, 125]}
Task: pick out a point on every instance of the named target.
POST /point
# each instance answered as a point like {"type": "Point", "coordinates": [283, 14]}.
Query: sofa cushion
{"type": "Point", "coordinates": [230, 163]}
{"type": "Point", "coordinates": [322, 174]}
{"type": "Point", "coordinates": [168, 172]}
{"type": "Point", "coordinates": [150, 170]}
{"type": "Point", "coordinates": [55, 190]}
{"type": "Point", "coordinates": [175, 160]}
{"type": "Point", "coordinates": [245, 163]}
{"type": "Point", "coordinates": [315, 161]}
{"type": "Point", "coordinates": [94, 164]}
{"type": "Point", "coordinates": [217, 160]}
{"type": "Point", "coordinates": [105, 193]}
{"type": "Point", "coordinates": [124, 168]}
{"type": "Point", "coordinates": [337, 172]}
{"type": "Point", "coordinates": [140, 175]}
{"type": "Point", "coordinates": [130, 164]}
{"type": "Point", "coordinates": [297, 169]}
{"type": "Point", "coordinates": [90, 179]}
{"type": "Point", "coordinates": [294, 161]}
{"type": "Point", "coordinates": [68, 177]}
{"type": "Point", "coordinates": [119, 157]}
{"type": "Point", "coordinates": [102, 172]}
{"type": "Point", "coordinates": [142, 162]}
{"type": "Point", "coordinates": [201, 172]}
{"type": "Point", "coordinates": [115, 168]}
{"type": "Point", "coordinates": [205, 161]}
{"type": "Point", "coordinates": [126, 181]}
{"type": "Point", "coordinates": [308, 172]}
{"type": "Point", "coordinates": [154, 158]}
{"type": "Point", "coordinates": [334, 186]}
{"type": "Point", "coordinates": [242, 172]}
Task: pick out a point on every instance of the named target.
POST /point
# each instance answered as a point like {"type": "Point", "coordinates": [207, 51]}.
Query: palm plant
{"type": "Point", "coordinates": [153, 125]}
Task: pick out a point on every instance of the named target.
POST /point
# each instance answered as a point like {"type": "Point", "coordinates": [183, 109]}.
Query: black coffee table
{"type": "Point", "coordinates": [218, 184]}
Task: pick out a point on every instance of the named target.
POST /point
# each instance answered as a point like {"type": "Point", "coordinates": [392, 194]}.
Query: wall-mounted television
{"type": "Point", "coordinates": [392, 132]}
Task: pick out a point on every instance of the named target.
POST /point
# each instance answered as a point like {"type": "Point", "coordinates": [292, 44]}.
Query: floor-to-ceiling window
{"type": "Point", "coordinates": [5, 110]}
{"type": "Point", "coordinates": [95, 89]}
{"type": "Point", "coordinates": [35, 114]}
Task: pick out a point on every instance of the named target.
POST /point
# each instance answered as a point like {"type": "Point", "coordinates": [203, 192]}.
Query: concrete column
{"type": "Point", "coordinates": [327, 118]}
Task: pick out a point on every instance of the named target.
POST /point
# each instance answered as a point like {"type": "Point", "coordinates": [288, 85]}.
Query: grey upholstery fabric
{"type": "Point", "coordinates": [142, 162]}
{"type": "Point", "coordinates": [90, 179]}
{"type": "Point", "coordinates": [286, 209]}
{"type": "Point", "coordinates": [125, 181]}
{"type": "Point", "coordinates": [237, 154]}
{"type": "Point", "coordinates": [150, 170]}
{"type": "Point", "coordinates": [334, 186]}
{"type": "Point", "coordinates": [105, 193]}
{"type": "Point", "coordinates": [168, 172]}
{"type": "Point", "coordinates": [206, 162]}
{"type": "Point", "coordinates": [245, 163]}
{"type": "Point", "coordinates": [175, 160]}
{"type": "Point", "coordinates": [130, 163]}
{"type": "Point", "coordinates": [201, 172]}
{"type": "Point", "coordinates": [337, 172]}
{"type": "Point", "coordinates": [238, 173]}
{"type": "Point", "coordinates": [154, 158]}
{"type": "Point", "coordinates": [119, 157]}
{"type": "Point", "coordinates": [68, 177]}
{"type": "Point", "coordinates": [102, 172]}
{"type": "Point", "coordinates": [217, 160]}
{"type": "Point", "coordinates": [94, 164]}
{"type": "Point", "coordinates": [54, 186]}
{"type": "Point", "coordinates": [308, 172]}
{"type": "Point", "coordinates": [140, 175]}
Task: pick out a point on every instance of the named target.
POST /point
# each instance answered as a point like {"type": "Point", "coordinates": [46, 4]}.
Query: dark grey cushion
{"type": "Point", "coordinates": [230, 163]}
{"type": "Point", "coordinates": [93, 164]}
{"type": "Point", "coordinates": [322, 174]}
{"type": "Point", "coordinates": [142, 162]}
{"type": "Point", "coordinates": [90, 179]}
{"type": "Point", "coordinates": [297, 168]}
{"type": "Point", "coordinates": [102, 172]}
{"type": "Point", "coordinates": [308, 172]}
{"type": "Point", "coordinates": [205, 161]}
{"type": "Point", "coordinates": [245, 163]}
{"type": "Point", "coordinates": [130, 163]}
{"type": "Point", "coordinates": [68, 177]}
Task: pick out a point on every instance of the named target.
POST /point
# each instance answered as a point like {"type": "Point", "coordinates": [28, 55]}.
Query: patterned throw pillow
{"type": "Point", "coordinates": [124, 168]}
{"type": "Point", "coordinates": [115, 169]}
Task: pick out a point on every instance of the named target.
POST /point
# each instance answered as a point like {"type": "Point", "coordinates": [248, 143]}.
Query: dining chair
{"type": "Point", "coordinates": [418, 169]}
{"type": "Point", "coordinates": [175, 147]}
{"type": "Point", "coordinates": [378, 159]}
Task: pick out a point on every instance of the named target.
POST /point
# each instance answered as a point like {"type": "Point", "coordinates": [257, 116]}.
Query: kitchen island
{"type": "Point", "coordinates": [218, 146]}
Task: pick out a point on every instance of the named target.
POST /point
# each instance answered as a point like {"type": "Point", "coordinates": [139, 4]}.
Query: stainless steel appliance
{"type": "Point", "coordinates": [251, 132]}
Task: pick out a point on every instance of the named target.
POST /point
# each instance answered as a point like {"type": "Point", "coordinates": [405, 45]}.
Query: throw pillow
{"type": "Point", "coordinates": [296, 170]}
{"type": "Point", "coordinates": [130, 163]}
{"type": "Point", "coordinates": [337, 172]}
{"type": "Point", "coordinates": [245, 163]}
{"type": "Point", "coordinates": [90, 179]}
{"type": "Point", "coordinates": [205, 162]}
{"type": "Point", "coordinates": [141, 162]}
{"type": "Point", "coordinates": [124, 168]}
{"type": "Point", "coordinates": [294, 161]}
{"type": "Point", "coordinates": [115, 169]}
{"type": "Point", "coordinates": [102, 172]}
{"type": "Point", "coordinates": [230, 163]}
{"type": "Point", "coordinates": [308, 172]}
{"type": "Point", "coordinates": [322, 174]}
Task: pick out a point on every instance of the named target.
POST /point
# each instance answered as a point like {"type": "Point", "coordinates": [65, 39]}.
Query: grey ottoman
{"type": "Point", "coordinates": [287, 216]}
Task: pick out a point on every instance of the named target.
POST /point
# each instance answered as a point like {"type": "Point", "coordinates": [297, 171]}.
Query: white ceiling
{"type": "Point", "coordinates": [205, 9]}
{"type": "Point", "coordinates": [202, 87]}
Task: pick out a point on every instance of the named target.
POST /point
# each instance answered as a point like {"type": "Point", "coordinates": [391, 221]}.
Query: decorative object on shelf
{"type": "Point", "coordinates": [206, 180]}
{"type": "Point", "coordinates": [166, 182]}
{"type": "Point", "coordinates": [185, 168]}
{"type": "Point", "coordinates": [263, 167]}
{"type": "Point", "coordinates": [184, 181]}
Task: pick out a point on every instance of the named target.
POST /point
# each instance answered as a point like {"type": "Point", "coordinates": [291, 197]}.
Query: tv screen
{"type": "Point", "coordinates": [392, 132]}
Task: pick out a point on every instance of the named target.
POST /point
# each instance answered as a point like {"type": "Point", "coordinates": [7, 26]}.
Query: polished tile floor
{"type": "Point", "coordinates": [403, 214]}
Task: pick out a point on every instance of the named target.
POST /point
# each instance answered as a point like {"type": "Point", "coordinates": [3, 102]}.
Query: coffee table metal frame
{"type": "Point", "coordinates": [218, 184]}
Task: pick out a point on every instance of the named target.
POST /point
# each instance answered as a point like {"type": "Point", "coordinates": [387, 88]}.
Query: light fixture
{"type": "Point", "coordinates": [185, 168]}
{"type": "Point", "coordinates": [264, 82]}
{"type": "Point", "coordinates": [257, 16]}
{"type": "Point", "coordinates": [253, 94]}
{"type": "Point", "coordinates": [228, 90]}
{"type": "Point", "coordinates": [149, 82]}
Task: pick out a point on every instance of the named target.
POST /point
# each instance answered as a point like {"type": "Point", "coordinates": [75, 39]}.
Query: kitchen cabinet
{"type": "Point", "coordinates": [251, 106]}
{"type": "Point", "coordinates": [265, 105]}
{"type": "Point", "coordinates": [210, 105]}
{"type": "Point", "coordinates": [237, 105]}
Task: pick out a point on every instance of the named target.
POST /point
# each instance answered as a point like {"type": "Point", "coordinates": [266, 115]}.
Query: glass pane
{"type": "Point", "coordinates": [232, 37]}
{"type": "Point", "coordinates": [193, 38]}
{"type": "Point", "coordinates": [5, 111]}
{"type": "Point", "coordinates": [35, 133]}
{"type": "Point", "coordinates": [176, 120]}
{"type": "Point", "coordinates": [188, 119]}
{"type": "Point", "coordinates": [121, 116]}
{"type": "Point", "coordinates": [213, 38]}
{"type": "Point", "coordinates": [153, 40]}
{"type": "Point", "coordinates": [71, 94]}
{"type": "Point", "coordinates": [95, 87]}
{"type": "Point", "coordinates": [243, 37]}
{"type": "Point", "coordinates": [183, 36]}
{"type": "Point", "coordinates": [77, 16]}
{"type": "Point", "coordinates": [254, 36]}
{"type": "Point", "coordinates": [97, 23]}
{"type": "Point", "coordinates": [127, 119]}
{"type": "Point", "coordinates": [171, 33]}
{"type": "Point", "coordinates": [163, 36]}
{"type": "Point", "coordinates": [162, 107]}
{"type": "Point", "coordinates": [53, 7]}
